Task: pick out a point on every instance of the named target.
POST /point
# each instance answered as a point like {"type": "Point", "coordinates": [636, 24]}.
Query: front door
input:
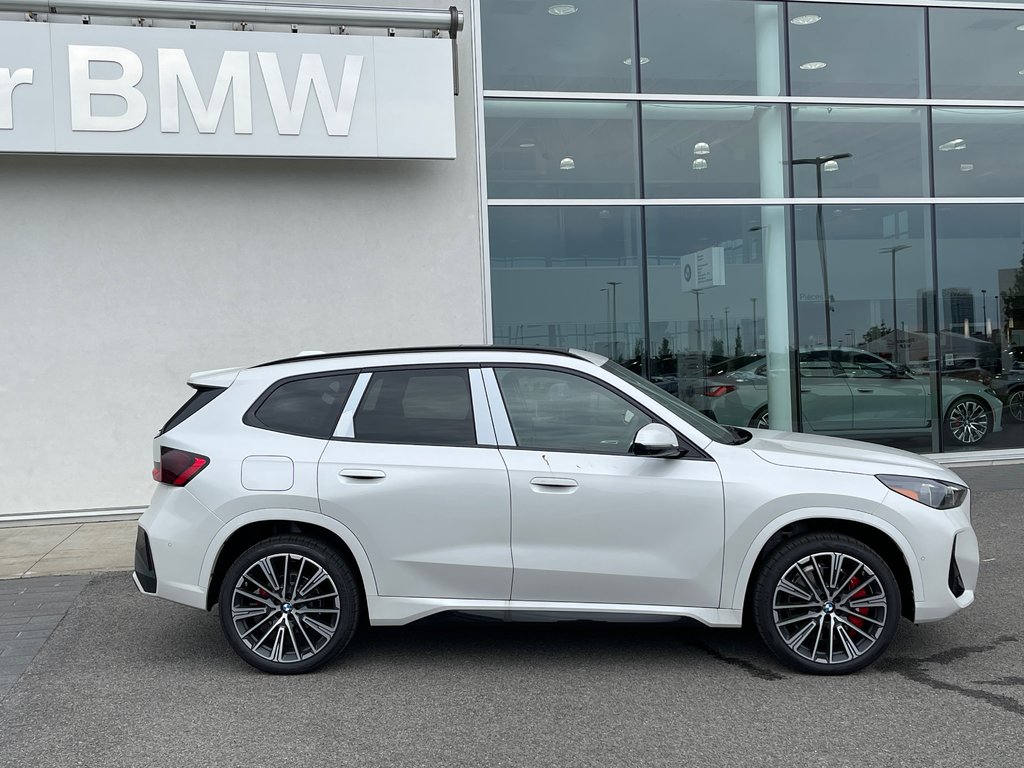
{"type": "Point", "coordinates": [592, 523]}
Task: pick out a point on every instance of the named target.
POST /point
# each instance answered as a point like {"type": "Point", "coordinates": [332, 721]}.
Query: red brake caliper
{"type": "Point", "coordinates": [859, 623]}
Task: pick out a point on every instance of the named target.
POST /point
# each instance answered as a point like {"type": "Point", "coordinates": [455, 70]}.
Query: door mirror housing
{"type": "Point", "coordinates": [658, 441]}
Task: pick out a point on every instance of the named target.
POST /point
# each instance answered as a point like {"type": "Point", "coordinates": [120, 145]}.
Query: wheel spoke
{"type": "Point", "coordinates": [794, 606]}
{"type": "Point", "coordinates": [807, 581]}
{"type": "Point", "coordinates": [315, 580]}
{"type": "Point", "coordinates": [848, 645]}
{"type": "Point", "coordinates": [248, 613]}
{"type": "Point", "coordinates": [298, 579]}
{"type": "Point", "coordinates": [853, 573]}
{"type": "Point", "coordinates": [302, 600]}
{"type": "Point", "coordinates": [800, 636]}
{"type": "Point", "coordinates": [323, 629]}
{"type": "Point", "coordinates": [257, 625]}
{"type": "Point", "coordinates": [817, 639]}
{"type": "Point", "coordinates": [268, 571]}
{"type": "Point", "coordinates": [847, 624]}
{"type": "Point", "coordinates": [861, 616]}
{"type": "Point", "coordinates": [792, 589]}
{"type": "Point", "coordinates": [257, 598]}
{"type": "Point", "coordinates": [854, 590]}
{"type": "Point", "coordinates": [805, 617]}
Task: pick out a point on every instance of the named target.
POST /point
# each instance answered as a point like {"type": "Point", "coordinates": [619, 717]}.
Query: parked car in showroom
{"type": "Point", "coordinates": [1009, 387]}
{"type": "Point", "coordinates": [307, 495]}
{"type": "Point", "coordinates": [852, 393]}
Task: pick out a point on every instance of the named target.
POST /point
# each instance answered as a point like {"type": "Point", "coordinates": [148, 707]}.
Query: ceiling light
{"type": "Point", "coordinates": [629, 62]}
{"type": "Point", "coordinates": [830, 165]}
{"type": "Point", "coordinates": [1020, 71]}
{"type": "Point", "coordinates": [966, 167]}
{"type": "Point", "coordinates": [562, 9]}
{"type": "Point", "coordinates": [807, 18]}
{"type": "Point", "coordinates": [953, 144]}
{"type": "Point", "coordinates": [1019, 27]}
{"type": "Point", "coordinates": [567, 164]}
{"type": "Point", "coordinates": [701, 148]}
{"type": "Point", "coordinates": [813, 65]}
{"type": "Point", "coordinates": [700, 164]}
{"type": "Point", "coordinates": [527, 145]}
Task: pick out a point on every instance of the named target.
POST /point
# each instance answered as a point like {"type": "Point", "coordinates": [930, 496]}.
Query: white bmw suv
{"type": "Point", "coordinates": [307, 495]}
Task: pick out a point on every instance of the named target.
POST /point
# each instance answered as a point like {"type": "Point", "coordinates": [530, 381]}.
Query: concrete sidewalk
{"type": "Point", "coordinates": [50, 550]}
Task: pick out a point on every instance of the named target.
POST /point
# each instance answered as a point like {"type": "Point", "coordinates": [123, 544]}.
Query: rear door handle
{"type": "Point", "coordinates": [554, 482]}
{"type": "Point", "coordinates": [362, 474]}
{"type": "Point", "coordinates": [861, 389]}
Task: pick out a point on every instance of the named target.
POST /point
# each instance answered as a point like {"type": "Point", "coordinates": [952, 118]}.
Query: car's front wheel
{"type": "Point", "coordinates": [968, 421]}
{"type": "Point", "coordinates": [826, 604]}
{"type": "Point", "coordinates": [760, 418]}
{"type": "Point", "coordinates": [289, 604]}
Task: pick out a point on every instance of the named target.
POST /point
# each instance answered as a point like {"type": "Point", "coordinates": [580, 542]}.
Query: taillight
{"type": "Point", "coordinates": [178, 467]}
{"type": "Point", "coordinates": [719, 389]}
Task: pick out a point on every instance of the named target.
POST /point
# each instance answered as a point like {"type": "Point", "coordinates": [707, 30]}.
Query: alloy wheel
{"type": "Point", "coordinates": [285, 608]}
{"type": "Point", "coordinates": [968, 421]}
{"type": "Point", "coordinates": [830, 608]}
{"type": "Point", "coordinates": [1016, 405]}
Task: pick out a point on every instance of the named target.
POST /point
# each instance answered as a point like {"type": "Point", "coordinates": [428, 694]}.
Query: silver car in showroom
{"type": "Point", "coordinates": [848, 392]}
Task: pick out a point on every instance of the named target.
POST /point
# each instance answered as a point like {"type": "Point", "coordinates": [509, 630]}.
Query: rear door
{"type": "Point", "coordinates": [414, 472]}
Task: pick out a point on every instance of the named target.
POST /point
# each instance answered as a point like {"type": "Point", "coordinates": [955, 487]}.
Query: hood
{"type": "Point", "coordinates": [789, 449]}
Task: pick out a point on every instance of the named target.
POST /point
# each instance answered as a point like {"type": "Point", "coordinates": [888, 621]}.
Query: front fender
{"type": "Point", "coordinates": [289, 515]}
{"type": "Point", "coordinates": [739, 591]}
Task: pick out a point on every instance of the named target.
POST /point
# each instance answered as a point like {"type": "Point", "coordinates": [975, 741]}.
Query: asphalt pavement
{"type": "Point", "coordinates": [126, 680]}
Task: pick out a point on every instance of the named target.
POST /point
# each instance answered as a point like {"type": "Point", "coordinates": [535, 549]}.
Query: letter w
{"type": "Point", "coordinates": [289, 115]}
{"type": "Point", "coordinates": [233, 73]}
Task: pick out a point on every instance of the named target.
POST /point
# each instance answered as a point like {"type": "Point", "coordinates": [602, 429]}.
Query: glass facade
{"type": "Point", "coordinates": [807, 216]}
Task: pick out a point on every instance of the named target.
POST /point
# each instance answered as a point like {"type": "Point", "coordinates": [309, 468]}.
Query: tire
{"type": "Point", "coordinates": [826, 604]}
{"type": "Point", "coordinates": [1015, 404]}
{"type": "Point", "coordinates": [289, 604]}
{"type": "Point", "coordinates": [968, 421]}
{"type": "Point", "coordinates": [760, 418]}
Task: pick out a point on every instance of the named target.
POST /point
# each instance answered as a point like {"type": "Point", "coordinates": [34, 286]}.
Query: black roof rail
{"type": "Point", "coordinates": [401, 350]}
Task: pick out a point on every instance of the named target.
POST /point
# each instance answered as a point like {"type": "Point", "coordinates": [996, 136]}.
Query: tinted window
{"type": "Point", "coordinates": [307, 407]}
{"type": "Point", "coordinates": [555, 411]}
{"type": "Point", "coordinates": [202, 396]}
{"type": "Point", "coordinates": [423, 407]}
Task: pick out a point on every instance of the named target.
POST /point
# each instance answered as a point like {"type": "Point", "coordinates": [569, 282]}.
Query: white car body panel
{"type": "Point", "coordinates": [462, 528]}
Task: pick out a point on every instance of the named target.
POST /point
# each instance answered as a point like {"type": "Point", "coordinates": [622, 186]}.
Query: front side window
{"type": "Point", "coordinates": [558, 411]}
{"type": "Point", "coordinates": [419, 407]}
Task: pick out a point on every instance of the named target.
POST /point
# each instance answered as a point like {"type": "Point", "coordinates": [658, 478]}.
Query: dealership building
{"type": "Point", "coordinates": [802, 215]}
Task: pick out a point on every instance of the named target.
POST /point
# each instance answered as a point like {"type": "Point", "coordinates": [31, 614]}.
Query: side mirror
{"type": "Point", "coordinates": [658, 441]}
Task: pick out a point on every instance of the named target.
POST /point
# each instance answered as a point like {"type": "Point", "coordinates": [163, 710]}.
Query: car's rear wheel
{"type": "Point", "coordinates": [1015, 403]}
{"type": "Point", "coordinates": [826, 604]}
{"type": "Point", "coordinates": [968, 421]}
{"type": "Point", "coordinates": [760, 418]}
{"type": "Point", "coordinates": [289, 604]}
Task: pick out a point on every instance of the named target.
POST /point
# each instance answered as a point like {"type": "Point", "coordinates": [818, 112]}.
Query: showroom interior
{"type": "Point", "coordinates": [812, 208]}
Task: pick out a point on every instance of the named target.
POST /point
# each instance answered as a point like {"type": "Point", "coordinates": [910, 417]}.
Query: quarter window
{"type": "Point", "coordinates": [556, 411]}
{"type": "Point", "coordinates": [422, 407]}
{"type": "Point", "coordinates": [308, 407]}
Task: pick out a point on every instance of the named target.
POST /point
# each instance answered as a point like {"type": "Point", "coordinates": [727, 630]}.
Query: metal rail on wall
{"type": "Point", "coordinates": [451, 20]}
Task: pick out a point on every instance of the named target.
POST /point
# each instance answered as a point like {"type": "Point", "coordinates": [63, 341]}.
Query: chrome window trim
{"type": "Point", "coordinates": [485, 434]}
{"type": "Point", "coordinates": [496, 404]}
{"type": "Point", "coordinates": [346, 424]}
{"type": "Point", "coordinates": [763, 202]}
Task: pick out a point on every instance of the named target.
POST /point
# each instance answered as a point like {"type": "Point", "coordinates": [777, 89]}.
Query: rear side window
{"type": "Point", "coordinates": [203, 396]}
{"type": "Point", "coordinates": [419, 407]}
{"type": "Point", "coordinates": [309, 407]}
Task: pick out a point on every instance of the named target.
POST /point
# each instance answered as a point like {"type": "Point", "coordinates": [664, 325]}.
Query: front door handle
{"type": "Point", "coordinates": [861, 389]}
{"type": "Point", "coordinates": [362, 474]}
{"type": "Point", "coordinates": [554, 482]}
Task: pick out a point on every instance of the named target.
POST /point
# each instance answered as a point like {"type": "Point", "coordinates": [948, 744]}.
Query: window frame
{"type": "Point", "coordinates": [482, 427]}
{"type": "Point", "coordinates": [502, 422]}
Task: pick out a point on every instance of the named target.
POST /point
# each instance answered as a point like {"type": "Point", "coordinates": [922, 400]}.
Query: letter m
{"type": "Point", "coordinates": [234, 73]}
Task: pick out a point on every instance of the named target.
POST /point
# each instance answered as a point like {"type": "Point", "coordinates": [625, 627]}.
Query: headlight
{"type": "Point", "coordinates": [933, 493]}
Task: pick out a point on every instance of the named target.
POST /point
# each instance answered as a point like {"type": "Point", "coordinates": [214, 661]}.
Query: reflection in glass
{"type": "Point", "coordinates": [580, 46]}
{"type": "Point", "coordinates": [708, 313]}
{"type": "Point", "coordinates": [981, 307]}
{"type": "Point", "coordinates": [887, 145]}
{"type": "Point", "coordinates": [856, 50]}
{"type": "Point", "coordinates": [712, 150]}
{"type": "Point", "coordinates": [568, 277]}
{"type": "Point", "coordinates": [976, 54]}
{"type": "Point", "coordinates": [710, 47]}
{"type": "Point", "coordinates": [859, 383]}
{"type": "Point", "coordinates": [560, 149]}
{"type": "Point", "coordinates": [976, 151]}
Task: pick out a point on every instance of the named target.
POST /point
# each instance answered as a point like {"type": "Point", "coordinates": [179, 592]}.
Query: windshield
{"type": "Point", "coordinates": [694, 418]}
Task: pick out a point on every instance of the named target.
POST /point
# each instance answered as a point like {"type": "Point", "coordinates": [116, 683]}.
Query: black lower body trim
{"type": "Point", "coordinates": [145, 571]}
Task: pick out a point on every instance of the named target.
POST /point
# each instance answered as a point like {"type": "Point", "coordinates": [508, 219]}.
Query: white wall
{"type": "Point", "coordinates": [123, 275]}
